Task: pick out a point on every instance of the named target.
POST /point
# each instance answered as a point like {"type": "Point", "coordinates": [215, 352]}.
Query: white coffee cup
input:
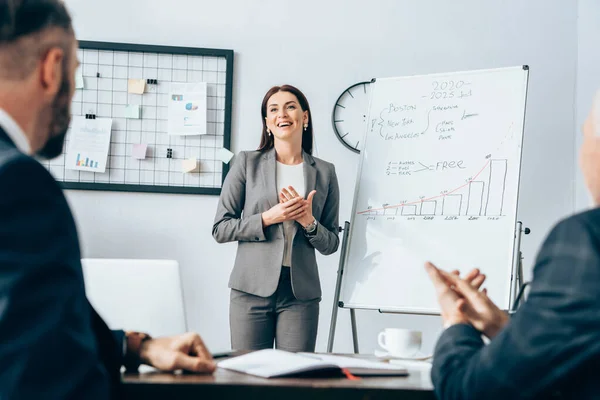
{"type": "Point", "coordinates": [400, 342]}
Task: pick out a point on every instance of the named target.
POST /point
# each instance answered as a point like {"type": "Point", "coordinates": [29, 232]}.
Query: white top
{"type": "Point", "coordinates": [14, 132]}
{"type": "Point", "coordinates": [290, 175]}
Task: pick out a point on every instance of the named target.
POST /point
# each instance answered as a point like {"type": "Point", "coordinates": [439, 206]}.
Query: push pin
{"type": "Point", "coordinates": [169, 153]}
{"type": "Point", "coordinates": [97, 74]}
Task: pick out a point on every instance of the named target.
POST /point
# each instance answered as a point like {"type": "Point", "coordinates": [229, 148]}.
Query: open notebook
{"type": "Point", "coordinates": [272, 363]}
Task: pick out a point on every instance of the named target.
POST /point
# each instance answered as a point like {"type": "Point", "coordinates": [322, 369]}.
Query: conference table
{"type": "Point", "coordinates": [225, 384]}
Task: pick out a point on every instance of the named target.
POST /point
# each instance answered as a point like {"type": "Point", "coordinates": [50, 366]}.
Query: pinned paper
{"type": "Point", "coordinates": [190, 165]}
{"type": "Point", "coordinates": [224, 155]}
{"type": "Point", "coordinates": [132, 111]}
{"type": "Point", "coordinates": [137, 86]}
{"type": "Point", "coordinates": [139, 151]}
{"type": "Point", "coordinates": [187, 109]}
{"type": "Point", "coordinates": [79, 78]}
{"type": "Point", "coordinates": [88, 144]}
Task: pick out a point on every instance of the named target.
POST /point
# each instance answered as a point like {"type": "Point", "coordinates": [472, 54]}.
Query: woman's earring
{"type": "Point", "coordinates": [305, 127]}
{"type": "Point", "coordinates": [268, 132]}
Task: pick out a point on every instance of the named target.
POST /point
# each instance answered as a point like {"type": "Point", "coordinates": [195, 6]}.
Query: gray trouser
{"type": "Point", "coordinates": [256, 321]}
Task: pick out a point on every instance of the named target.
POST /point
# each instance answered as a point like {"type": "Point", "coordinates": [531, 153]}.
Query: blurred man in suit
{"type": "Point", "coordinates": [551, 346]}
{"type": "Point", "coordinates": [52, 343]}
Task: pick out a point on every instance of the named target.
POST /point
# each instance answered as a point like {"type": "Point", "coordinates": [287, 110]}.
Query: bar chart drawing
{"type": "Point", "coordinates": [475, 199]}
{"type": "Point", "coordinates": [428, 207]}
{"type": "Point", "coordinates": [481, 195]}
{"type": "Point", "coordinates": [409, 210]}
{"type": "Point", "coordinates": [497, 187]}
{"type": "Point", "coordinates": [390, 212]}
{"type": "Point", "coordinates": [452, 204]}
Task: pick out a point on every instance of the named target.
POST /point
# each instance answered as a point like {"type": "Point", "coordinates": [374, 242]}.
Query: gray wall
{"type": "Point", "coordinates": [323, 47]}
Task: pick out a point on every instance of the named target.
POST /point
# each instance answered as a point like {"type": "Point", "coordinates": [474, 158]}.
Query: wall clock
{"type": "Point", "coordinates": [349, 116]}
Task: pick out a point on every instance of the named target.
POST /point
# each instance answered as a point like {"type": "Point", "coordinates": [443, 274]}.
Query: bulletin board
{"type": "Point", "coordinates": [106, 73]}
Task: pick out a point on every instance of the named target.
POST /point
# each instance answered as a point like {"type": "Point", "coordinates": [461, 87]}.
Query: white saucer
{"type": "Point", "coordinates": [387, 356]}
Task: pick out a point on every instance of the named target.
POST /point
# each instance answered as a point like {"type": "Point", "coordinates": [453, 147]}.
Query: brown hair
{"type": "Point", "coordinates": [266, 140]}
{"type": "Point", "coordinates": [25, 34]}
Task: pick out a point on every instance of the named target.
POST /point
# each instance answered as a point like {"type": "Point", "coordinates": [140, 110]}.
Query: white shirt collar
{"type": "Point", "coordinates": [14, 132]}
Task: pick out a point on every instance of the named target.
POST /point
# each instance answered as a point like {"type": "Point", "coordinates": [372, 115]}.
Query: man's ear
{"type": "Point", "coordinates": [51, 71]}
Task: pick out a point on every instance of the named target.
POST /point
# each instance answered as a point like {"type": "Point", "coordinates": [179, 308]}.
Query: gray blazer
{"type": "Point", "coordinates": [249, 190]}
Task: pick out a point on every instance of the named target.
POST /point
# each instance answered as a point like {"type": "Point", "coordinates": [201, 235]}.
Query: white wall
{"type": "Point", "coordinates": [324, 47]}
{"type": "Point", "coordinates": [588, 81]}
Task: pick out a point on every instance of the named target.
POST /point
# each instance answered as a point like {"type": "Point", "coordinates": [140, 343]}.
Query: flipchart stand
{"type": "Point", "coordinates": [515, 295]}
{"type": "Point", "coordinates": [518, 289]}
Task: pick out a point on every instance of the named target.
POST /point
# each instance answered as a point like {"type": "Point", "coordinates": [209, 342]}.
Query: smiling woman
{"type": "Point", "coordinates": [280, 204]}
{"type": "Point", "coordinates": [286, 105]}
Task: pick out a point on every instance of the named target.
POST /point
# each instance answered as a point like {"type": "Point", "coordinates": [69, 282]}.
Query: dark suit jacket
{"type": "Point", "coordinates": [551, 346]}
{"type": "Point", "coordinates": [53, 345]}
{"type": "Point", "coordinates": [249, 190]}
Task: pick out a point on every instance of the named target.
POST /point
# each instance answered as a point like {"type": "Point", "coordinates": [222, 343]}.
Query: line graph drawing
{"type": "Point", "coordinates": [481, 195]}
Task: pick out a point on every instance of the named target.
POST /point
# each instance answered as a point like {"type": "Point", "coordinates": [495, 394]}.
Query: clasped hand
{"type": "Point", "coordinates": [461, 301]}
{"type": "Point", "coordinates": [291, 207]}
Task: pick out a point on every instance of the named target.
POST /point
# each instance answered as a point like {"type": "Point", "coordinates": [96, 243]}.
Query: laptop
{"type": "Point", "coordinates": [137, 295]}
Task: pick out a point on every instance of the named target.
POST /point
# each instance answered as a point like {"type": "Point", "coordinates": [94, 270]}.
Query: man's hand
{"type": "Point", "coordinates": [448, 299]}
{"type": "Point", "coordinates": [172, 353]}
{"type": "Point", "coordinates": [476, 306]}
{"type": "Point", "coordinates": [475, 278]}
